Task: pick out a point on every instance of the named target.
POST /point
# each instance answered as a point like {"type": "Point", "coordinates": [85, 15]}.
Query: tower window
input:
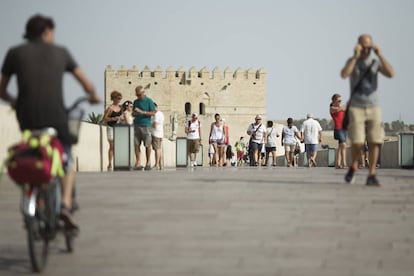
{"type": "Point", "coordinates": [202, 109]}
{"type": "Point", "coordinates": [187, 108]}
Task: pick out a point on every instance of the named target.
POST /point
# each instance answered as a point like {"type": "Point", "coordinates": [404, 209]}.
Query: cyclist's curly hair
{"type": "Point", "coordinates": [36, 25]}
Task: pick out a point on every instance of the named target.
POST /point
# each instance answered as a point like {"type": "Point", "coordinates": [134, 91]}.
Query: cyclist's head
{"type": "Point", "coordinates": [37, 26]}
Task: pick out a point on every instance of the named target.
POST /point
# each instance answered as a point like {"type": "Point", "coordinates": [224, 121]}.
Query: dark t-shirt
{"type": "Point", "coordinates": [39, 68]}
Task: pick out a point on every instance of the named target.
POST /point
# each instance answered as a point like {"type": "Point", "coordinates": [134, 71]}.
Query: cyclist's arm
{"type": "Point", "coordinates": [4, 95]}
{"type": "Point", "coordinates": [87, 85]}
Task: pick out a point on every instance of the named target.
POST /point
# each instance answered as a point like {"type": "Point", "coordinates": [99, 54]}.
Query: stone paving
{"type": "Point", "coordinates": [227, 221]}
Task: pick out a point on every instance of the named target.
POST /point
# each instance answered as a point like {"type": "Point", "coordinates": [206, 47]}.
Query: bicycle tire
{"type": "Point", "coordinates": [37, 242]}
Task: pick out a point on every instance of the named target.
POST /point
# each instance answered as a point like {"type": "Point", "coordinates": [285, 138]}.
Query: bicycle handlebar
{"type": "Point", "coordinates": [77, 103]}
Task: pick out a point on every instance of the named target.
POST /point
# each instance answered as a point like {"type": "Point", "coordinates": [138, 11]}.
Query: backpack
{"type": "Point", "coordinates": [36, 159]}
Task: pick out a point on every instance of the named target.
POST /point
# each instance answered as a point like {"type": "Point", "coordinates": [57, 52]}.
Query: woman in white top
{"type": "Point", "coordinates": [217, 139]}
{"type": "Point", "coordinates": [289, 134]}
{"type": "Point", "coordinates": [271, 143]}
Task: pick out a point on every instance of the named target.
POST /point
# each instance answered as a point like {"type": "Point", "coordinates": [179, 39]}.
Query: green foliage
{"type": "Point", "coordinates": [326, 124]}
{"type": "Point", "coordinates": [95, 118]}
{"type": "Point", "coordinates": [397, 126]}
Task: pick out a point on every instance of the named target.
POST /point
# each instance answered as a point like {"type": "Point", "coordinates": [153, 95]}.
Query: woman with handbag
{"type": "Point", "coordinates": [337, 112]}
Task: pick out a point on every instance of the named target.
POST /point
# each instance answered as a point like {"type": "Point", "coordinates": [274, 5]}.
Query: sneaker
{"type": "Point", "coordinates": [373, 181]}
{"type": "Point", "coordinates": [67, 218]}
{"type": "Point", "coordinates": [350, 176]}
{"type": "Point", "coordinates": [195, 163]}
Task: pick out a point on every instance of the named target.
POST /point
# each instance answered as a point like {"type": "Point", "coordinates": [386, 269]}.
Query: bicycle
{"type": "Point", "coordinates": [41, 203]}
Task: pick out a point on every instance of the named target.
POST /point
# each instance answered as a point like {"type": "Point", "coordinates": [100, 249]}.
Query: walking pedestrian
{"type": "Point", "coordinates": [270, 146]}
{"type": "Point", "coordinates": [217, 139]}
{"type": "Point", "coordinates": [240, 148]}
{"type": "Point", "coordinates": [364, 111]}
{"type": "Point", "coordinates": [289, 135]}
{"type": "Point", "coordinates": [193, 131]}
{"type": "Point", "coordinates": [337, 112]}
{"type": "Point", "coordinates": [258, 137]}
{"type": "Point", "coordinates": [311, 136]}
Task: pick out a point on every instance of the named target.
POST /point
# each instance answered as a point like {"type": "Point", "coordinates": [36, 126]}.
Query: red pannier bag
{"type": "Point", "coordinates": [36, 159]}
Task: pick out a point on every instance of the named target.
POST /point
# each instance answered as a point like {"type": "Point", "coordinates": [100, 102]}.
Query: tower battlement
{"type": "Point", "coordinates": [171, 73]}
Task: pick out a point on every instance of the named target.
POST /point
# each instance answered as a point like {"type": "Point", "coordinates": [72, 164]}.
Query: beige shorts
{"type": "Point", "coordinates": [110, 133]}
{"type": "Point", "coordinates": [365, 123]}
{"type": "Point", "coordinates": [193, 145]}
{"type": "Point", "coordinates": [156, 143]}
{"type": "Point", "coordinates": [290, 147]}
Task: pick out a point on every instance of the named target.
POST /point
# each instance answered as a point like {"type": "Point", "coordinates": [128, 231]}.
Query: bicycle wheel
{"type": "Point", "coordinates": [38, 242]}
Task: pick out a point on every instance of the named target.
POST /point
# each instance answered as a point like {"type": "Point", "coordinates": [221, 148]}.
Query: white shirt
{"type": "Point", "coordinates": [289, 135]}
{"type": "Point", "coordinates": [193, 129]}
{"type": "Point", "coordinates": [271, 137]}
{"type": "Point", "coordinates": [158, 119]}
{"type": "Point", "coordinates": [258, 131]}
{"type": "Point", "coordinates": [311, 129]}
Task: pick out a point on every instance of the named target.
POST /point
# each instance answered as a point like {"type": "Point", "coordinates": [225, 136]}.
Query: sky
{"type": "Point", "coordinates": [301, 44]}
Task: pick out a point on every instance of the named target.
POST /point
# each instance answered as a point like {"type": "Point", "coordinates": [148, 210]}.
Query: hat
{"type": "Point", "coordinates": [194, 115]}
{"type": "Point", "coordinates": [258, 117]}
{"type": "Point", "coordinates": [309, 115]}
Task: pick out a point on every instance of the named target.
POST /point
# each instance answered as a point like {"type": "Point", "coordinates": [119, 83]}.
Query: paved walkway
{"type": "Point", "coordinates": [228, 221]}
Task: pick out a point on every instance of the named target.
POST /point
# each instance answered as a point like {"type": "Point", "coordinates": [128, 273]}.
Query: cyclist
{"type": "Point", "coordinates": [39, 65]}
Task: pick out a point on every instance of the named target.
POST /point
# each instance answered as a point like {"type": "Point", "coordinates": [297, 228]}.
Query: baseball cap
{"type": "Point", "coordinates": [309, 115]}
{"type": "Point", "coordinates": [194, 115]}
{"type": "Point", "coordinates": [258, 117]}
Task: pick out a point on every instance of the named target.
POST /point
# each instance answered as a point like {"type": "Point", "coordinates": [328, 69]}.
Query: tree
{"type": "Point", "coordinates": [387, 127]}
{"type": "Point", "coordinates": [398, 126]}
{"type": "Point", "coordinates": [324, 124]}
